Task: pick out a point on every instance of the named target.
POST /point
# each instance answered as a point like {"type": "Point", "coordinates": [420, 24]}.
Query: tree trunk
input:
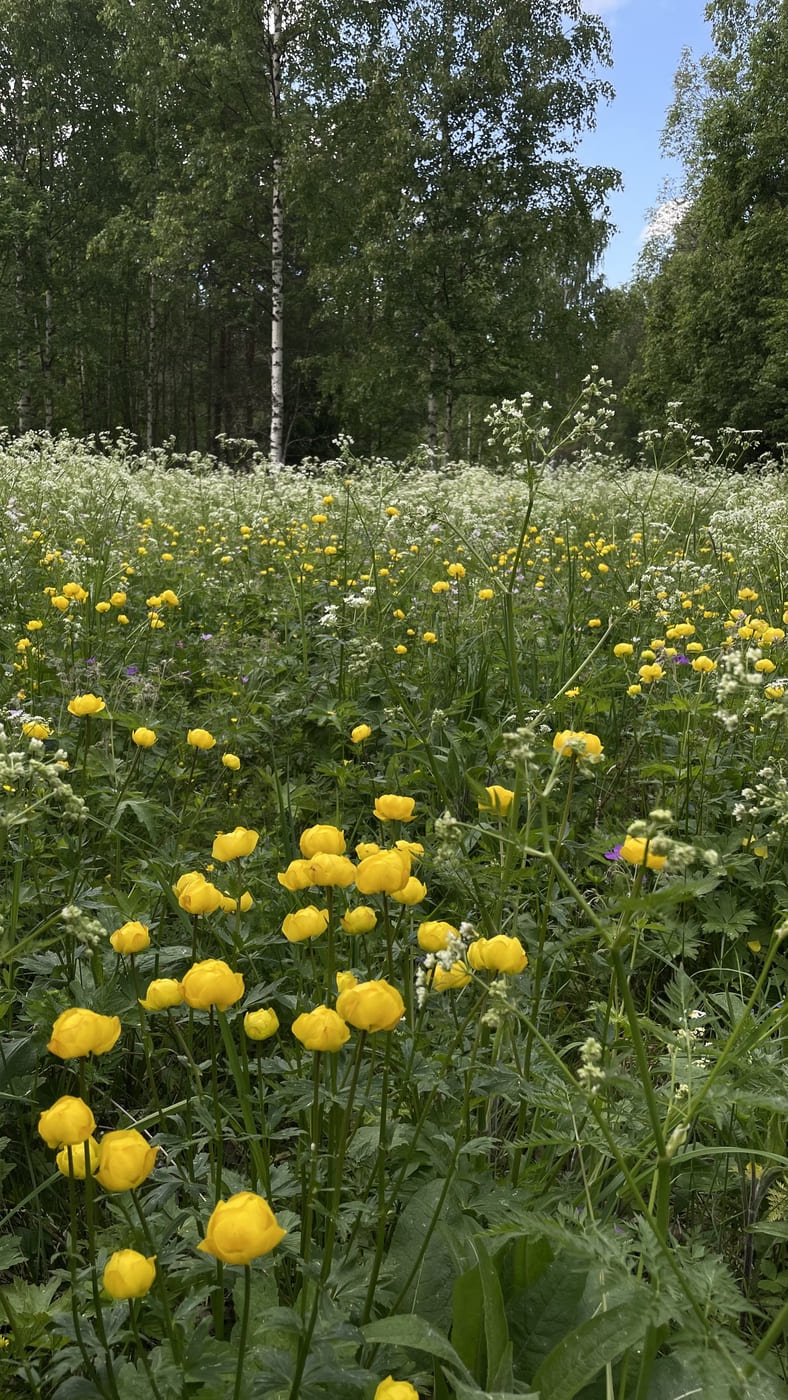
{"type": "Point", "coordinates": [276, 444]}
{"type": "Point", "coordinates": [150, 382]}
{"type": "Point", "coordinates": [22, 366]}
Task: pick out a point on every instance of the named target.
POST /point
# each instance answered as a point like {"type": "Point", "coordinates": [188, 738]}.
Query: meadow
{"type": "Point", "coordinates": [393, 903]}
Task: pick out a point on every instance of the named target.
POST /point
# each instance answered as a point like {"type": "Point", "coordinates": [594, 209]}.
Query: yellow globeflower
{"type": "Point", "coordinates": [305, 923]}
{"type": "Point", "coordinates": [162, 993]}
{"type": "Point", "coordinates": [89, 704]}
{"type": "Point", "coordinates": [362, 919]}
{"type": "Point", "coordinates": [499, 800]}
{"type": "Point", "coordinates": [412, 892]}
{"type": "Point", "coordinates": [143, 738]}
{"type": "Point", "coordinates": [635, 849]}
{"type": "Point", "coordinates": [389, 807]}
{"type": "Point", "coordinates": [131, 937]}
{"type": "Point", "coordinates": [360, 733]}
{"type": "Point", "coordinates": [232, 761]}
{"type": "Point", "coordinates": [233, 845]}
{"type": "Point", "coordinates": [261, 1024]}
{"type": "Point", "coordinates": [321, 1029]}
{"type": "Point", "coordinates": [126, 1159]}
{"type": "Point", "coordinates": [297, 876]}
{"type": "Point", "coordinates": [128, 1274]}
{"type": "Point", "coordinates": [328, 839]}
{"type": "Point", "coordinates": [371, 1006]}
{"type": "Point", "coordinates": [445, 980]}
{"type": "Point", "coordinates": [498, 954]}
{"type": "Point", "coordinates": [78, 1032]}
{"type": "Point", "coordinates": [578, 742]}
{"type": "Point", "coordinates": [241, 1229]}
{"type": "Point", "coordinates": [34, 729]}
{"type": "Point", "coordinates": [69, 1121]}
{"type": "Point", "coordinates": [328, 869]}
{"type": "Point", "coordinates": [75, 1165]}
{"type": "Point", "coordinates": [389, 1389]}
{"type": "Point", "coordinates": [433, 935]}
{"type": "Point", "coordinates": [384, 872]}
{"type": "Point", "coordinates": [200, 739]}
{"type": "Point", "coordinates": [212, 983]}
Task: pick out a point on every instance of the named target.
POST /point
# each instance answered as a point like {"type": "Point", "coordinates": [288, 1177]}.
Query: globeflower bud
{"type": "Point", "coordinates": [262, 1024]}
{"type": "Point", "coordinates": [128, 1274]}
{"type": "Point", "coordinates": [360, 733]}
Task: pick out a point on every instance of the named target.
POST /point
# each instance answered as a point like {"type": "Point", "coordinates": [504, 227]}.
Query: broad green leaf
{"type": "Point", "coordinates": [410, 1330]}
{"type": "Point", "coordinates": [580, 1356]}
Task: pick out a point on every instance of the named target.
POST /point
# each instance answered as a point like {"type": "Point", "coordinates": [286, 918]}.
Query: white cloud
{"type": "Point", "coordinates": [604, 7]}
{"type": "Point", "coordinates": [665, 220]}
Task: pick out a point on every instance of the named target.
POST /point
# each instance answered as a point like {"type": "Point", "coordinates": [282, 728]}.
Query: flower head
{"type": "Point", "coordinates": [79, 1032]}
{"type": "Point", "coordinates": [305, 923]}
{"type": "Point", "coordinates": [162, 993]}
{"type": "Point", "coordinates": [390, 807]}
{"type": "Point", "coordinates": [143, 738]}
{"type": "Point", "coordinates": [261, 1024]}
{"type": "Point", "coordinates": [232, 845]}
{"type": "Point", "coordinates": [131, 937]}
{"type": "Point", "coordinates": [89, 704]}
{"type": "Point", "coordinates": [635, 849]}
{"type": "Point", "coordinates": [384, 872]}
{"type": "Point", "coordinates": [70, 1161]}
{"type": "Point", "coordinates": [578, 742]}
{"type": "Point", "coordinates": [389, 1389]}
{"type": "Point", "coordinates": [321, 1029]}
{"type": "Point", "coordinates": [212, 983]}
{"type": "Point", "coordinates": [241, 1229]}
{"type": "Point", "coordinates": [433, 935]}
{"type": "Point", "coordinates": [499, 800]}
{"type": "Point", "coordinates": [322, 838]}
{"type": "Point", "coordinates": [360, 733]}
{"type": "Point", "coordinates": [200, 739]}
{"type": "Point", "coordinates": [128, 1274]}
{"type": "Point", "coordinates": [498, 954]}
{"type": "Point", "coordinates": [362, 919]}
{"type": "Point", "coordinates": [371, 1006]}
{"type": "Point", "coordinates": [69, 1121]}
{"type": "Point", "coordinates": [126, 1159]}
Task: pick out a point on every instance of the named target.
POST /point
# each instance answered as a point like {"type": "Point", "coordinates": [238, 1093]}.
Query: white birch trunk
{"type": "Point", "coordinates": [276, 444]}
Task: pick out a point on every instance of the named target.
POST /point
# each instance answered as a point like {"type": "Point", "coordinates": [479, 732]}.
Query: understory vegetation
{"type": "Point", "coordinates": [393, 914]}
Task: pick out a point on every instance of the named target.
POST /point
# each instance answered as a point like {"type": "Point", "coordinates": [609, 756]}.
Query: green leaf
{"type": "Point", "coordinates": [581, 1355]}
{"type": "Point", "coordinates": [411, 1331]}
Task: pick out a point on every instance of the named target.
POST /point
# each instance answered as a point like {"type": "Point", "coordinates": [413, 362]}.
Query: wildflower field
{"type": "Point", "coordinates": [393, 902]}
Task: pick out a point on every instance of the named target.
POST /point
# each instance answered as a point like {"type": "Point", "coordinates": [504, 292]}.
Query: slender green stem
{"type": "Point", "coordinates": [239, 1369]}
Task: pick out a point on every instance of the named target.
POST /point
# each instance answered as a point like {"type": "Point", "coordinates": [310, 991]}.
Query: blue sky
{"type": "Point", "coordinates": [648, 38]}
